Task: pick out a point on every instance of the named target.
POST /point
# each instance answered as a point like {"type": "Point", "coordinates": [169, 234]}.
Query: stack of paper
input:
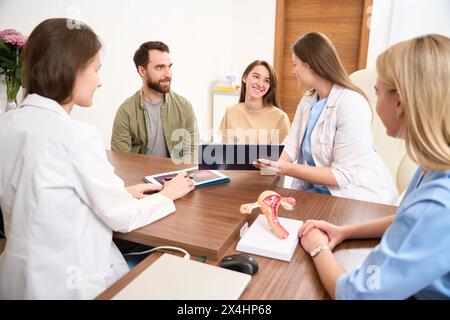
{"type": "Point", "coordinates": [260, 240]}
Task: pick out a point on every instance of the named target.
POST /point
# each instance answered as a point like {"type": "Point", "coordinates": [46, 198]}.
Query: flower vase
{"type": "Point", "coordinates": [12, 87]}
{"type": "Point", "coordinates": [11, 104]}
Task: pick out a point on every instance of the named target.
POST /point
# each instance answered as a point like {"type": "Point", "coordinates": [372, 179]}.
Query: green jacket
{"type": "Point", "coordinates": [130, 126]}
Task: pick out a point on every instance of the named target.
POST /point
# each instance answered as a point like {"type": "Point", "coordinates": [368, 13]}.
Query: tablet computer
{"type": "Point", "coordinates": [217, 156]}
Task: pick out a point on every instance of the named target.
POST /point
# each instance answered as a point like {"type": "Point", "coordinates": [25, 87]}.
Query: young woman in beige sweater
{"type": "Point", "coordinates": [257, 117]}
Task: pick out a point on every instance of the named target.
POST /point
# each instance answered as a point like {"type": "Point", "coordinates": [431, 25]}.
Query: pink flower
{"type": "Point", "coordinates": [13, 37]}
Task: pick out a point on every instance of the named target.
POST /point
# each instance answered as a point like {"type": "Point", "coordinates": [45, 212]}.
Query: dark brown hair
{"type": "Point", "coordinates": [141, 55]}
{"type": "Point", "coordinates": [319, 53]}
{"type": "Point", "coordinates": [271, 96]}
{"type": "Point", "coordinates": [55, 52]}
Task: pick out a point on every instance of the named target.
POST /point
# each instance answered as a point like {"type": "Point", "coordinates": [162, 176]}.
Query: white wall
{"type": "Point", "coordinates": [411, 18]}
{"type": "Point", "coordinates": [398, 20]}
{"type": "Point", "coordinates": [380, 26]}
{"type": "Point", "coordinates": [253, 26]}
{"type": "Point", "coordinates": [205, 38]}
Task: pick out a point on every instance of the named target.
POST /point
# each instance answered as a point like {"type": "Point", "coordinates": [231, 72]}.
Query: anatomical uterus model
{"type": "Point", "coordinates": [269, 201]}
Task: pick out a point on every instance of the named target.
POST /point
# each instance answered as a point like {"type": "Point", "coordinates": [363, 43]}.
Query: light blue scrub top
{"type": "Point", "coordinates": [413, 258]}
{"type": "Point", "coordinates": [305, 147]}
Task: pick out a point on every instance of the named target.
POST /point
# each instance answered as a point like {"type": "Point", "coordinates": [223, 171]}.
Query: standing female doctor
{"type": "Point", "coordinates": [329, 148]}
{"type": "Point", "coordinates": [59, 195]}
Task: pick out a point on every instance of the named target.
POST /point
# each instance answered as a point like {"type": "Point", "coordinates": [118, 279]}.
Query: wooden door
{"type": "Point", "coordinates": [345, 22]}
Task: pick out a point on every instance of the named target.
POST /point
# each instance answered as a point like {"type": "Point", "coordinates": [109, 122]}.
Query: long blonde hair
{"type": "Point", "coordinates": [419, 70]}
{"type": "Point", "coordinates": [319, 53]}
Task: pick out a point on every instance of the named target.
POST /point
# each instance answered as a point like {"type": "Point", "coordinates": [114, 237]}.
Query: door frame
{"type": "Point", "coordinates": [280, 19]}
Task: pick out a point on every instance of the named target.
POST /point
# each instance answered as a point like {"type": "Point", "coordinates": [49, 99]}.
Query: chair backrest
{"type": "Point", "coordinates": [391, 150]}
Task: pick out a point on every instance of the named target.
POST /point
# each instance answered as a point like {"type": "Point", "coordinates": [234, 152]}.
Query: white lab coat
{"type": "Point", "coordinates": [61, 202]}
{"type": "Point", "coordinates": [342, 141]}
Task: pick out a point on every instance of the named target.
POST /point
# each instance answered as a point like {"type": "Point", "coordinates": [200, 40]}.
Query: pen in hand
{"type": "Point", "coordinates": [170, 178]}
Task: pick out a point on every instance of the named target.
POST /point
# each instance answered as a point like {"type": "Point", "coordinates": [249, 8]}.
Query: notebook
{"type": "Point", "coordinates": [260, 240]}
{"type": "Point", "coordinates": [175, 278]}
{"type": "Point", "coordinates": [236, 156]}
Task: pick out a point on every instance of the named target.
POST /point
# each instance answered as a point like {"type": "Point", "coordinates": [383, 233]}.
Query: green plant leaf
{"type": "Point", "coordinates": [5, 47]}
{"type": "Point", "coordinates": [17, 75]}
{"type": "Point", "coordinates": [7, 65]}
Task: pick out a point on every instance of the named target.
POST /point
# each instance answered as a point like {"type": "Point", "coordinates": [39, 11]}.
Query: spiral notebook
{"type": "Point", "coordinates": [217, 156]}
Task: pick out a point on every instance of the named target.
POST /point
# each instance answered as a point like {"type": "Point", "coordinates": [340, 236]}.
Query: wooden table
{"type": "Point", "coordinates": [207, 222]}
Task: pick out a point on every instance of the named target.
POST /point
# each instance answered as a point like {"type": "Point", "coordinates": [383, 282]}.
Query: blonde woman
{"type": "Point", "coordinates": [329, 148]}
{"type": "Point", "coordinates": [412, 259]}
{"type": "Point", "coordinates": [257, 117]}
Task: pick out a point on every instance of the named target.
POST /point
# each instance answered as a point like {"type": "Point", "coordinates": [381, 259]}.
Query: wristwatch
{"type": "Point", "coordinates": [317, 250]}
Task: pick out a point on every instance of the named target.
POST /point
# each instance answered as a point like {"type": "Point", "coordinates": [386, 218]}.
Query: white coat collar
{"type": "Point", "coordinates": [333, 96]}
{"type": "Point", "coordinates": [38, 101]}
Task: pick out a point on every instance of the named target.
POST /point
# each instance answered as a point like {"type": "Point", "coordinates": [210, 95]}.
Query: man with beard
{"type": "Point", "coordinates": [155, 120]}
